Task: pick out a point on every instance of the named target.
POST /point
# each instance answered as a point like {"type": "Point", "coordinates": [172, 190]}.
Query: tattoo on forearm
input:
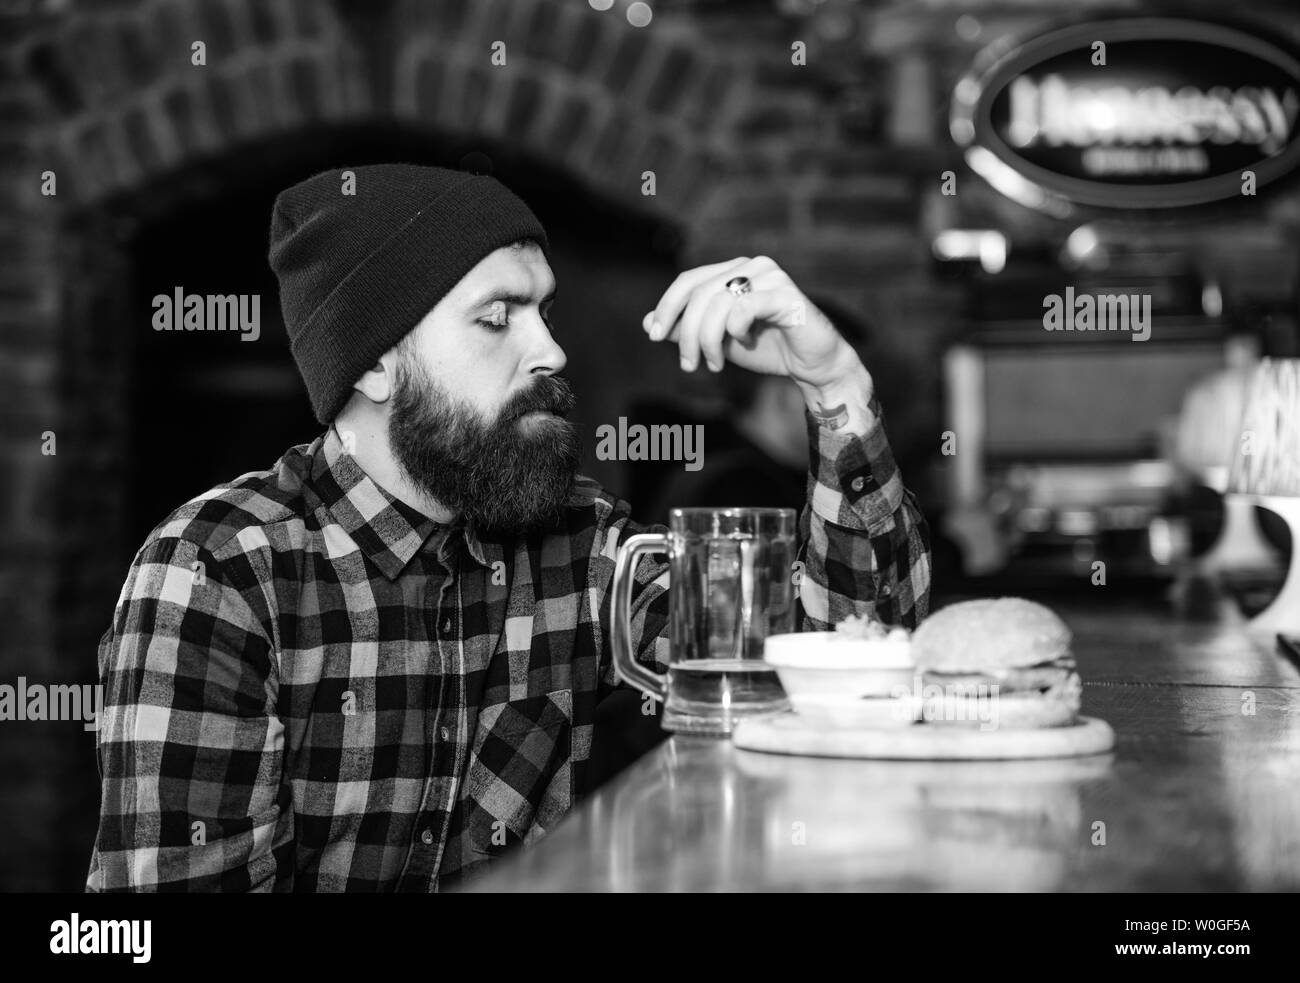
{"type": "Point", "coordinates": [833, 418]}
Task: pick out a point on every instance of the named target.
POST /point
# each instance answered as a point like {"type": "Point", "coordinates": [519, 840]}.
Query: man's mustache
{"type": "Point", "coordinates": [549, 394]}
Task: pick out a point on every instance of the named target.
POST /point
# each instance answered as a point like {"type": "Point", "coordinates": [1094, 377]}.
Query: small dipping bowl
{"type": "Point", "coordinates": [836, 680]}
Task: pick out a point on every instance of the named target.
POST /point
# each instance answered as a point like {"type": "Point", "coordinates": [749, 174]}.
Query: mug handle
{"type": "Point", "coordinates": [625, 665]}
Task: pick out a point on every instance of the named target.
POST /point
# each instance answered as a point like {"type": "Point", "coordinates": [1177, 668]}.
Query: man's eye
{"type": "Point", "coordinates": [499, 318]}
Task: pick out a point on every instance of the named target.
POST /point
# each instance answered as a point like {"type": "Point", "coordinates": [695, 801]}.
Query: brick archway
{"type": "Point", "coordinates": [585, 94]}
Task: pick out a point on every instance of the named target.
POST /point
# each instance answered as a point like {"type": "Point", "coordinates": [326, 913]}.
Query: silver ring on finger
{"type": "Point", "coordinates": [739, 285]}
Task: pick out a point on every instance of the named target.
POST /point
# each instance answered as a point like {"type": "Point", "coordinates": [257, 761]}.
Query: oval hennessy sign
{"type": "Point", "coordinates": [1141, 113]}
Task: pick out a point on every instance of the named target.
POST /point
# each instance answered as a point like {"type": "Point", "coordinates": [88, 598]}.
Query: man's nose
{"type": "Point", "coordinates": [547, 357]}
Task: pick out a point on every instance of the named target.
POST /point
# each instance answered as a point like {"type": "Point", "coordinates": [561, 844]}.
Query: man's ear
{"type": "Point", "coordinates": [376, 383]}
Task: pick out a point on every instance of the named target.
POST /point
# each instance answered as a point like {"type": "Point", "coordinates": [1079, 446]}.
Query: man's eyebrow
{"type": "Point", "coordinates": [509, 297]}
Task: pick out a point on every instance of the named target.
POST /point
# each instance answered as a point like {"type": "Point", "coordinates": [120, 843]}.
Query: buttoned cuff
{"type": "Point", "coordinates": [856, 482]}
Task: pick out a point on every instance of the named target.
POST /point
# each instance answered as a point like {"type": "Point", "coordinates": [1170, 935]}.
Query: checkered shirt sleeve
{"type": "Point", "coordinates": [190, 740]}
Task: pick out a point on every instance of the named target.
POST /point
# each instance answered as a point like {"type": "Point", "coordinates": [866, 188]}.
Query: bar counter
{"type": "Point", "coordinates": [1199, 794]}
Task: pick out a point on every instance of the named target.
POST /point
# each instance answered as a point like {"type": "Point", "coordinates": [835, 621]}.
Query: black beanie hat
{"type": "Point", "coordinates": [359, 271]}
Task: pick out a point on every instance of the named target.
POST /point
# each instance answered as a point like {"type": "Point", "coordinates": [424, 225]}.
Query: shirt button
{"type": "Point", "coordinates": [446, 626]}
{"type": "Point", "coordinates": [446, 734]}
{"type": "Point", "coordinates": [857, 484]}
{"type": "Point", "coordinates": [426, 837]}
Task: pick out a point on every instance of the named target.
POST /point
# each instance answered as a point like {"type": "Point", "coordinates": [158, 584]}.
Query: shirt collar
{"type": "Point", "coordinates": [387, 530]}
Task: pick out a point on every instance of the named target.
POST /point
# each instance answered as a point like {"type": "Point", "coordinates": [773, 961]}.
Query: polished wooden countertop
{"type": "Point", "coordinates": [1200, 794]}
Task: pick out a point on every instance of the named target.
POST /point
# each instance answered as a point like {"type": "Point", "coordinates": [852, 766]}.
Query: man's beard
{"type": "Point", "coordinates": [506, 476]}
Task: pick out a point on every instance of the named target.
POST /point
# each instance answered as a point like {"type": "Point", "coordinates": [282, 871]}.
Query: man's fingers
{"type": "Point", "coordinates": [740, 317]}
{"type": "Point", "coordinates": [711, 328]}
{"type": "Point", "coordinates": [775, 304]}
{"type": "Point", "coordinates": [688, 329]}
{"type": "Point", "coordinates": [703, 317]}
{"type": "Point", "coordinates": [704, 322]}
{"type": "Point", "coordinates": [678, 294]}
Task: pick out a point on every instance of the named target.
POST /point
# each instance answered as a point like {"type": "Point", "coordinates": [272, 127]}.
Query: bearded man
{"type": "Point", "coordinates": [375, 666]}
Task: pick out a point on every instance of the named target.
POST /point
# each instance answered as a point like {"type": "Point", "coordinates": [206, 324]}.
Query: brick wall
{"type": "Point", "coordinates": [29, 367]}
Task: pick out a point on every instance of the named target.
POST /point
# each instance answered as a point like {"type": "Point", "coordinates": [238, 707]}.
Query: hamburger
{"type": "Point", "coordinates": [999, 663]}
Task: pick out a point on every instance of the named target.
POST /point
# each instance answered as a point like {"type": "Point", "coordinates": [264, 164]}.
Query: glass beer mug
{"type": "Point", "coordinates": [731, 585]}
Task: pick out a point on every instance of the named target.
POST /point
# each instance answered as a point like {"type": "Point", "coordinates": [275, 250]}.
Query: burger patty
{"type": "Point", "coordinates": [1026, 679]}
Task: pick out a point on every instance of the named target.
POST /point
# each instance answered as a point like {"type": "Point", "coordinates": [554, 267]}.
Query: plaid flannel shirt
{"type": "Point", "coordinates": [310, 686]}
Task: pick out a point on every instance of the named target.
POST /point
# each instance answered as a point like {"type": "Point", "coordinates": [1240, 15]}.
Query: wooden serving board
{"type": "Point", "coordinates": [789, 734]}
